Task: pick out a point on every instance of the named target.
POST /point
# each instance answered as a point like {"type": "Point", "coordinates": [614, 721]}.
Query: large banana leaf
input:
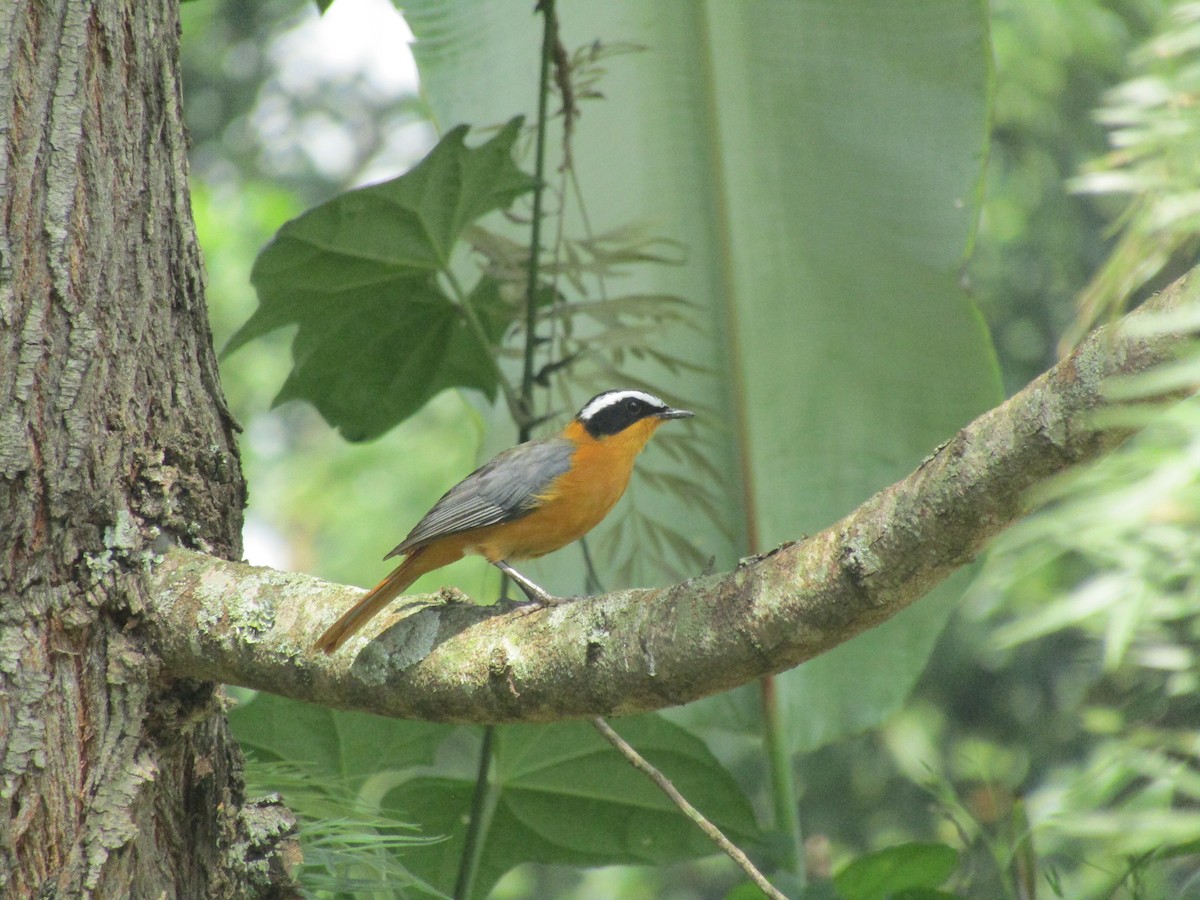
{"type": "Point", "coordinates": [822, 164]}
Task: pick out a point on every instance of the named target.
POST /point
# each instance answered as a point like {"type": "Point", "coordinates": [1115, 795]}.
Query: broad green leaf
{"type": "Point", "coordinates": [897, 871]}
{"type": "Point", "coordinates": [378, 336]}
{"type": "Point", "coordinates": [409, 350]}
{"type": "Point", "coordinates": [340, 745]}
{"type": "Point", "coordinates": [822, 164]}
{"type": "Point", "coordinates": [327, 765]}
{"type": "Point", "coordinates": [563, 795]}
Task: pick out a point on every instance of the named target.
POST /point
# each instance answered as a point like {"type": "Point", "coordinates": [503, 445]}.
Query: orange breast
{"type": "Point", "coordinates": [576, 502]}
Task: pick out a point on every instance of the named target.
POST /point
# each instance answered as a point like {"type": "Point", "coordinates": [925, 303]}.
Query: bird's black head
{"type": "Point", "coordinates": [614, 411]}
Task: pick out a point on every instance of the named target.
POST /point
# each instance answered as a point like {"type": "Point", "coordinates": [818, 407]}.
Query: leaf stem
{"type": "Point", "coordinates": [783, 781]}
{"type": "Point", "coordinates": [664, 784]}
{"type": "Point", "coordinates": [483, 807]}
{"type": "Point", "coordinates": [476, 325]}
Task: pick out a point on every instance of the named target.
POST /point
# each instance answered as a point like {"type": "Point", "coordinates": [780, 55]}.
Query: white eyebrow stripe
{"type": "Point", "coordinates": [612, 397]}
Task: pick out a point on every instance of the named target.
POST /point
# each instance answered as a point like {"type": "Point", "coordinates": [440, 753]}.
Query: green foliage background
{"type": "Point", "coordinates": [822, 166]}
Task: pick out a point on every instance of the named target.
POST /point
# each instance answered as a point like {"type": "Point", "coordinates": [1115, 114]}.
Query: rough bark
{"type": "Point", "coordinates": [634, 651]}
{"type": "Point", "coordinates": [116, 779]}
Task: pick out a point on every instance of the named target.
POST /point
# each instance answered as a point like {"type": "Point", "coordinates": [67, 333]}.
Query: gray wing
{"type": "Point", "coordinates": [502, 489]}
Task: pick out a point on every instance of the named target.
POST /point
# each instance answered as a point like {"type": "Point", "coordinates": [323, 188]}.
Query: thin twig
{"type": "Point", "coordinates": [714, 833]}
{"type": "Point", "coordinates": [549, 37]}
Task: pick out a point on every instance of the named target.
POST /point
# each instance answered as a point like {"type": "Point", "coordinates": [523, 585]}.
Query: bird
{"type": "Point", "coordinates": [525, 502]}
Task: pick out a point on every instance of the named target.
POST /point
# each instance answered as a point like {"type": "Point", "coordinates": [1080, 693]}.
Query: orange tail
{"type": "Point", "coordinates": [418, 563]}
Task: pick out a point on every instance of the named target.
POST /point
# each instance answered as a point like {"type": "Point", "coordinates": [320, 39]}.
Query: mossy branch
{"type": "Point", "coordinates": [632, 651]}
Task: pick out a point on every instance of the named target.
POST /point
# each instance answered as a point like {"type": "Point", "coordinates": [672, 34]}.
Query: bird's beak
{"type": "Point", "coordinates": [675, 414]}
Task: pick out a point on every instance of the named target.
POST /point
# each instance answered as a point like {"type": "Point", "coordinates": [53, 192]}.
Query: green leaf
{"type": "Point", "coordinates": [378, 336]}
{"type": "Point", "coordinates": [371, 369]}
{"type": "Point", "coordinates": [322, 761]}
{"type": "Point", "coordinates": [495, 312]}
{"type": "Point", "coordinates": [563, 795]}
{"type": "Point", "coordinates": [897, 871]}
{"type": "Point", "coordinates": [342, 746]}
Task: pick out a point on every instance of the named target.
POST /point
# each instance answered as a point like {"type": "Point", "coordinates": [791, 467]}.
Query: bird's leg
{"type": "Point", "coordinates": [534, 592]}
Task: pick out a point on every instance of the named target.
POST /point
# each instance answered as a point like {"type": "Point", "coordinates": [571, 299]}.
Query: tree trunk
{"type": "Point", "coordinates": [114, 440]}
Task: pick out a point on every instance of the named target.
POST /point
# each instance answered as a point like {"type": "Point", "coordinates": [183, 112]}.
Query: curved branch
{"type": "Point", "coordinates": [632, 651]}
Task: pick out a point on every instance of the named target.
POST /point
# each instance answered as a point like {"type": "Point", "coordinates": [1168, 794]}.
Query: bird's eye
{"type": "Point", "coordinates": [633, 405]}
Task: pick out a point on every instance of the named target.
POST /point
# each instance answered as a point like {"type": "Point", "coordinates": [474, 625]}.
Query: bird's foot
{"type": "Point", "coordinates": [541, 599]}
{"type": "Point", "coordinates": [536, 594]}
